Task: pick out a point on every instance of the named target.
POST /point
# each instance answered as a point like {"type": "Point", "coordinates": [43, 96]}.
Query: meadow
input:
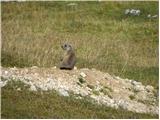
{"type": "Point", "coordinates": [102, 35]}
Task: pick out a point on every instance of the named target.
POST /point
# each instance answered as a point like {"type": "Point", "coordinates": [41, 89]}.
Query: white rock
{"type": "Point", "coordinates": [154, 16]}
{"type": "Point", "coordinates": [72, 4]}
{"type": "Point", "coordinates": [149, 15]}
{"type": "Point", "coordinates": [34, 67]}
{"type": "Point", "coordinates": [83, 74]}
{"type": "Point", "coordinates": [149, 88]}
{"type": "Point", "coordinates": [135, 83]}
{"type": "Point", "coordinates": [32, 88]}
{"type": "Point", "coordinates": [127, 11]}
{"type": "Point", "coordinates": [18, 89]}
{"type": "Point", "coordinates": [75, 68]}
{"type": "Point", "coordinates": [138, 88]}
{"type": "Point", "coordinates": [3, 83]}
{"type": "Point", "coordinates": [6, 72]}
{"type": "Point", "coordinates": [63, 92]}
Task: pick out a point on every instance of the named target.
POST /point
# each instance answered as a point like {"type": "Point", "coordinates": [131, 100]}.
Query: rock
{"type": "Point", "coordinates": [6, 72]}
{"type": "Point", "coordinates": [63, 92]}
{"type": "Point", "coordinates": [135, 83]}
{"type": "Point", "coordinates": [154, 16]}
{"type": "Point", "coordinates": [34, 67]}
{"type": "Point", "coordinates": [127, 11]}
{"type": "Point", "coordinates": [106, 89]}
{"type": "Point", "coordinates": [3, 83]}
{"type": "Point", "coordinates": [138, 88]}
{"type": "Point", "coordinates": [132, 12]}
{"type": "Point", "coordinates": [149, 88]}
{"type": "Point", "coordinates": [75, 68]}
{"type": "Point", "coordinates": [72, 4]}
{"type": "Point", "coordinates": [149, 15]}
{"type": "Point", "coordinates": [32, 88]}
{"type": "Point", "coordinates": [18, 89]}
{"type": "Point", "coordinates": [83, 74]}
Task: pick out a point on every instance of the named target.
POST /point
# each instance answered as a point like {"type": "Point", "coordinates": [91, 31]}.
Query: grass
{"type": "Point", "coordinates": [103, 37]}
{"type": "Point", "coordinates": [28, 104]}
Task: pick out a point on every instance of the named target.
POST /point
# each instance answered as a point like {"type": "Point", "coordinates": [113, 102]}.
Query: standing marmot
{"type": "Point", "coordinates": [69, 58]}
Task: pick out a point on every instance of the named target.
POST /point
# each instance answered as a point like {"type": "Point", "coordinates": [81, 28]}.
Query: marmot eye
{"type": "Point", "coordinates": [65, 45]}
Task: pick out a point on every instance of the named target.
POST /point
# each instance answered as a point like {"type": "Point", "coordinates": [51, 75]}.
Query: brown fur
{"type": "Point", "coordinates": [69, 58]}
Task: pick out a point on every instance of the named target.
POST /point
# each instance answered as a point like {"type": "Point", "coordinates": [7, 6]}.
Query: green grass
{"type": "Point", "coordinates": [28, 104]}
{"type": "Point", "coordinates": [103, 37]}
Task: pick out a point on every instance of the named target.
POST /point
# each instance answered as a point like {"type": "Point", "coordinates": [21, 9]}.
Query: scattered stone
{"type": "Point", "coordinates": [135, 83]}
{"type": "Point", "coordinates": [6, 72]}
{"type": "Point", "coordinates": [18, 89]}
{"type": "Point", "coordinates": [63, 92]}
{"type": "Point", "coordinates": [72, 4]}
{"type": "Point", "coordinates": [75, 68]}
{"type": "Point", "coordinates": [2, 83]}
{"type": "Point", "coordinates": [112, 92]}
{"type": "Point", "coordinates": [83, 74]}
{"type": "Point", "coordinates": [32, 88]}
{"type": "Point", "coordinates": [149, 88]}
{"type": "Point", "coordinates": [133, 12]}
{"type": "Point", "coordinates": [152, 16]}
{"type": "Point", "coordinates": [34, 67]}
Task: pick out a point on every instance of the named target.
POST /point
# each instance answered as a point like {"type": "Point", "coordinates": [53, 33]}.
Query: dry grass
{"type": "Point", "coordinates": [43, 105]}
{"type": "Point", "coordinates": [103, 37]}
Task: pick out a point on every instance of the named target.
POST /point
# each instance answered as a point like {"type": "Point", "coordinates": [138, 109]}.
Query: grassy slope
{"type": "Point", "coordinates": [27, 104]}
{"type": "Point", "coordinates": [103, 37]}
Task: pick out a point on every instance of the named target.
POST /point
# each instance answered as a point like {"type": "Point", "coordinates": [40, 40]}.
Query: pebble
{"type": "Point", "coordinates": [63, 92]}
{"type": "Point", "coordinates": [83, 74]}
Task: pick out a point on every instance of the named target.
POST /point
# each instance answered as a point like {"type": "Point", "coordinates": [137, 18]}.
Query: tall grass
{"type": "Point", "coordinates": [103, 37]}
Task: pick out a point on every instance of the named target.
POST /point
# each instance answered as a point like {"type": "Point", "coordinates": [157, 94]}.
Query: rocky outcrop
{"type": "Point", "coordinates": [100, 87]}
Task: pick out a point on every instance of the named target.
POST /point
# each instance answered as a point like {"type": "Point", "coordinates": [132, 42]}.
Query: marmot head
{"type": "Point", "coordinates": [66, 47]}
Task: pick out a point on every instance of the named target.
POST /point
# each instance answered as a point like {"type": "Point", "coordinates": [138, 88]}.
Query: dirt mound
{"type": "Point", "coordinates": [100, 87]}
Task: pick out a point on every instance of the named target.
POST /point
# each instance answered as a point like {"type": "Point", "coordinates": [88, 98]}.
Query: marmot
{"type": "Point", "coordinates": [69, 58]}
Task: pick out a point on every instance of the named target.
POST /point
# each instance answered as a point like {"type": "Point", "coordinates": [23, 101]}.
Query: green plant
{"type": "Point", "coordinates": [132, 97]}
{"type": "Point", "coordinates": [81, 80]}
{"type": "Point", "coordinates": [96, 92]}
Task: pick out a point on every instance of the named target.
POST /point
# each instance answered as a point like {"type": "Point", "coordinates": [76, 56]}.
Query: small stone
{"type": "Point", "coordinates": [75, 68]}
{"type": "Point", "coordinates": [149, 88]}
{"type": "Point", "coordinates": [18, 89]}
{"type": "Point", "coordinates": [149, 15]}
{"type": "Point", "coordinates": [34, 67]}
{"type": "Point", "coordinates": [6, 72]}
{"type": "Point", "coordinates": [2, 84]}
{"type": "Point", "coordinates": [78, 97]}
{"type": "Point", "coordinates": [63, 92]}
{"type": "Point", "coordinates": [14, 68]}
{"type": "Point", "coordinates": [135, 83]}
{"type": "Point", "coordinates": [154, 16]}
{"type": "Point", "coordinates": [72, 4]}
{"type": "Point", "coordinates": [138, 88]}
{"type": "Point", "coordinates": [33, 88]}
{"type": "Point", "coordinates": [127, 11]}
{"type": "Point", "coordinates": [83, 74]}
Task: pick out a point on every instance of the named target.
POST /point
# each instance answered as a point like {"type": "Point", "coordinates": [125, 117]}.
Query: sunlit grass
{"type": "Point", "coordinates": [103, 37]}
